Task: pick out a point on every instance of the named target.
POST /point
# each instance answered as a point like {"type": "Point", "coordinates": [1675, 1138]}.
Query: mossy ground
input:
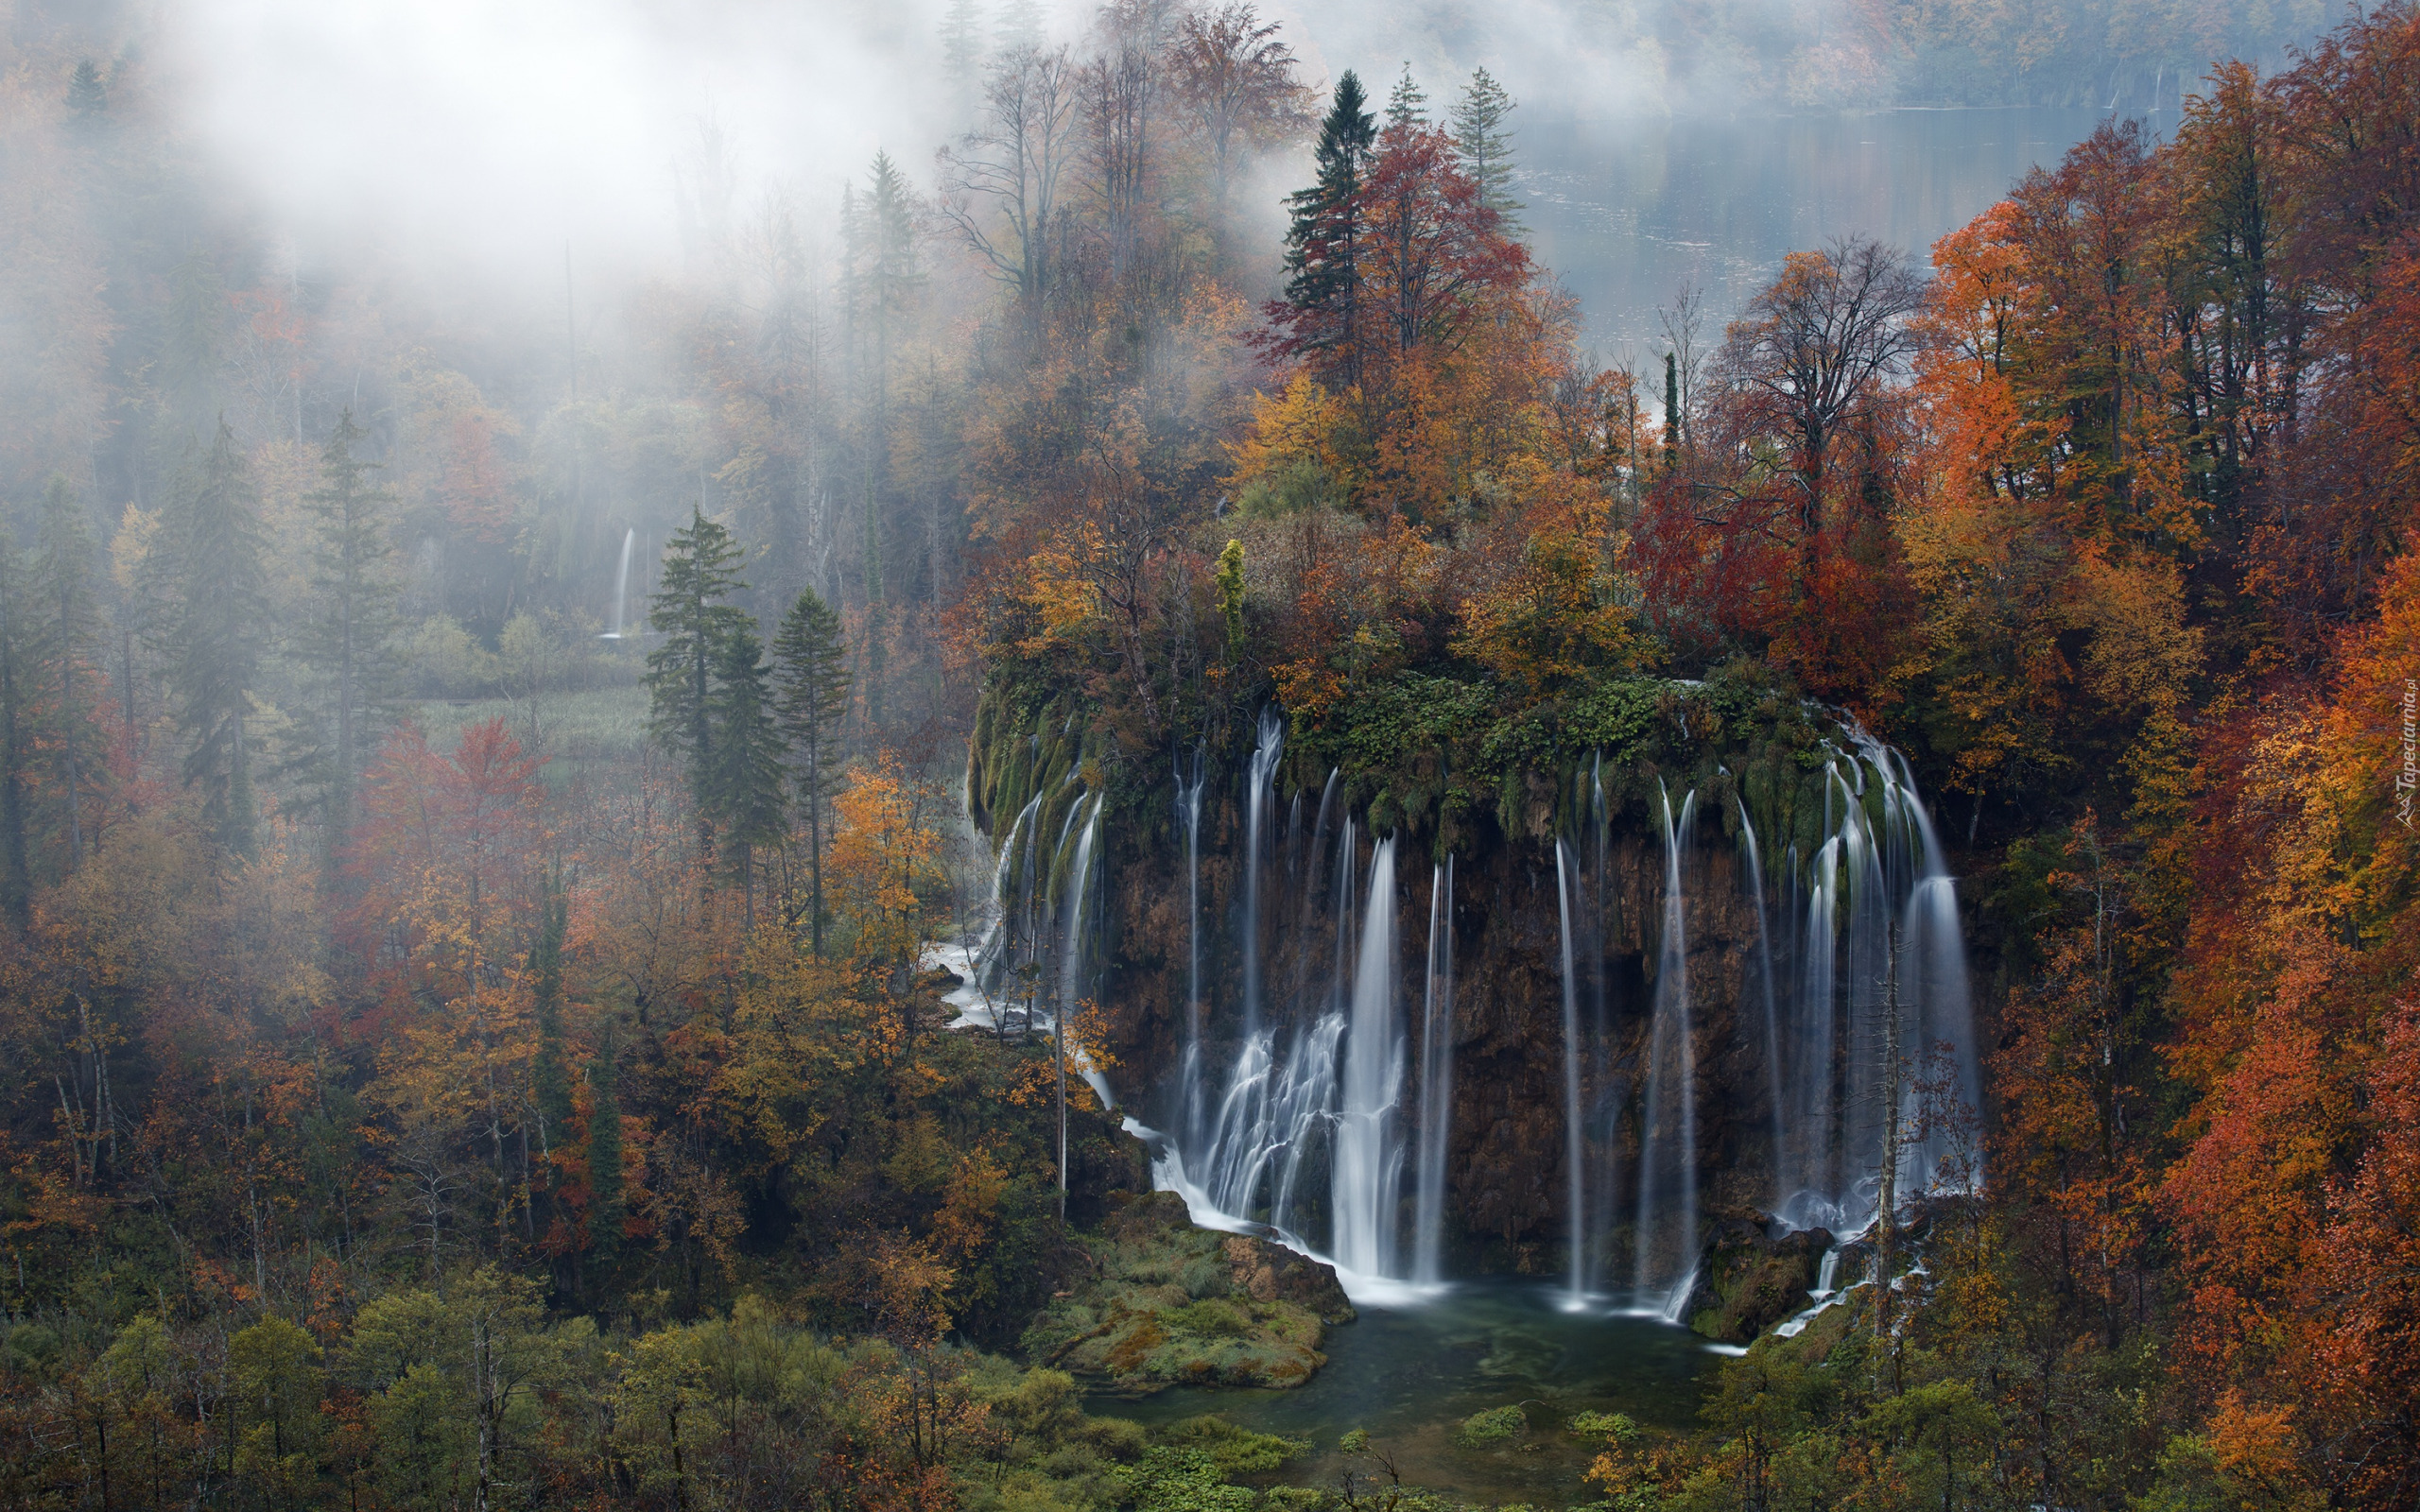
{"type": "Point", "coordinates": [1163, 1309]}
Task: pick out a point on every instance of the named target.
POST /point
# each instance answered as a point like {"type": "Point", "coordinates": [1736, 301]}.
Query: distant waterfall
{"type": "Point", "coordinates": [622, 582]}
{"type": "Point", "coordinates": [1436, 1079]}
{"type": "Point", "coordinates": [1667, 1164]}
{"type": "Point", "coordinates": [1369, 1155]}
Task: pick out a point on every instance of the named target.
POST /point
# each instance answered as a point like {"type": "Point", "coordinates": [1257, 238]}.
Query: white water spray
{"type": "Point", "coordinates": [1368, 1173]}
{"type": "Point", "coordinates": [1436, 1081]}
{"type": "Point", "coordinates": [1574, 1149]}
{"type": "Point", "coordinates": [1669, 1146]}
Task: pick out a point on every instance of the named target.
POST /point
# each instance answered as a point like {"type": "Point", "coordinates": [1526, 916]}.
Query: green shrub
{"type": "Point", "coordinates": [1497, 1425]}
{"type": "Point", "coordinates": [1234, 1451]}
{"type": "Point", "coordinates": [1207, 1319]}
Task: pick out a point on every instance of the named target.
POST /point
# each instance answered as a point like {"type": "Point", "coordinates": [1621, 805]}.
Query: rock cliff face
{"type": "Point", "coordinates": [1507, 1188]}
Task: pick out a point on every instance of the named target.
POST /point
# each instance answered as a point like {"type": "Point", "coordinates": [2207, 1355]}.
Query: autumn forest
{"type": "Point", "coordinates": [622, 899]}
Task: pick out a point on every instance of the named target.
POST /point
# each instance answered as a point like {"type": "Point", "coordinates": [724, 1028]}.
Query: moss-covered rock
{"type": "Point", "coordinates": [1750, 1280]}
{"type": "Point", "coordinates": [1170, 1305]}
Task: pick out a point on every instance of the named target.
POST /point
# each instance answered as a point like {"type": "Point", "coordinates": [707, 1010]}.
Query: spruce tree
{"type": "Point", "coordinates": [209, 571]}
{"type": "Point", "coordinates": [691, 609]}
{"type": "Point", "coordinates": [743, 778]}
{"type": "Point", "coordinates": [1322, 243]}
{"type": "Point", "coordinates": [963, 46]}
{"type": "Point", "coordinates": [1483, 146]}
{"type": "Point", "coordinates": [1407, 106]}
{"type": "Point", "coordinates": [812, 663]}
{"type": "Point", "coordinates": [353, 613]}
{"type": "Point", "coordinates": [1020, 26]}
{"type": "Point", "coordinates": [87, 97]}
{"type": "Point", "coordinates": [68, 641]}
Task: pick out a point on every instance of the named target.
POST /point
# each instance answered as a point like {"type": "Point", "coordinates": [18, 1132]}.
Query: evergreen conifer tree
{"type": "Point", "coordinates": [743, 778]}
{"type": "Point", "coordinates": [963, 44]}
{"type": "Point", "coordinates": [68, 642]}
{"type": "Point", "coordinates": [208, 570]}
{"type": "Point", "coordinates": [814, 680]}
{"type": "Point", "coordinates": [87, 97]}
{"type": "Point", "coordinates": [353, 615]}
{"type": "Point", "coordinates": [1483, 146]}
{"type": "Point", "coordinates": [1020, 26]}
{"type": "Point", "coordinates": [1322, 243]}
{"type": "Point", "coordinates": [1407, 106]}
{"type": "Point", "coordinates": [691, 609]}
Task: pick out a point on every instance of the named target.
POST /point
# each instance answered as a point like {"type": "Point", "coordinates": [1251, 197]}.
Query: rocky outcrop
{"type": "Point", "coordinates": [1751, 1277]}
{"type": "Point", "coordinates": [1269, 1272]}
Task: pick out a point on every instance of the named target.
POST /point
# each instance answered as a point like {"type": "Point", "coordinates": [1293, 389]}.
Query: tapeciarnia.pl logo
{"type": "Point", "coordinates": [2409, 778]}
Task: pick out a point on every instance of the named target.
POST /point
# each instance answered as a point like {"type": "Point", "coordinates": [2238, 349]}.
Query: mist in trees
{"type": "Point", "coordinates": [485, 772]}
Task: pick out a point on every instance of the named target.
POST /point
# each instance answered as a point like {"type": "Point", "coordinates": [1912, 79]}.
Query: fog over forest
{"type": "Point", "coordinates": [1189, 754]}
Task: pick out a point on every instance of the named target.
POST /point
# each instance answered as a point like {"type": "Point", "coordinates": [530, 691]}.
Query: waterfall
{"type": "Point", "coordinates": [1879, 871]}
{"type": "Point", "coordinates": [1367, 1179]}
{"type": "Point", "coordinates": [1573, 1146]}
{"type": "Point", "coordinates": [622, 584]}
{"type": "Point", "coordinates": [999, 941]}
{"type": "Point", "coordinates": [1605, 1118]}
{"type": "Point", "coordinates": [1765, 988]}
{"type": "Point", "coordinates": [1811, 1173]}
{"type": "Point", "coordinates": [1290, 1112]}
{"type": "Point", "coordinates": [1188, 810]}
{"type": "Point", "coordinates": [1075, 934]}
{"type": "Point", "coordinates": [1256, 792]}
{"type": "Point", "coordinates": [1436, 1079]}
{"type": "Point", "coordinates": [1671, 1078]}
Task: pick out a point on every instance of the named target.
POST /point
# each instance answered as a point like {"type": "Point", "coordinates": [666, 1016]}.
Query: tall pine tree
{"type": "Point", "coordinates": [692, 610]}
{"type": "Point", "coordinates": [1483, 146]}
{"type": "Point", "coordinates": [742, 786]}
{"type": "Point", "coordinates": [211, 582]}
{"type": "Point", "coordinates": [69, 642]}
{"type": "Point", "coordinates": [814, 678]}
{"type": "Point", "coordinates": [353, 615]}
{"type": "Point", "coordinates": [1324, 241]}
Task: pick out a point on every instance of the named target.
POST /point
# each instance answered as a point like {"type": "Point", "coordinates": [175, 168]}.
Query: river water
{"type": "Point", "coordinates": [1628, 211]}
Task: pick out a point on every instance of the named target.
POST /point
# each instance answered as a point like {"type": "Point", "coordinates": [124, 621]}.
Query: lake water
{"type": "Point", "coordinates": [1411, 1376]}
{"type": "Point", "coordinates": [1626, 212]}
